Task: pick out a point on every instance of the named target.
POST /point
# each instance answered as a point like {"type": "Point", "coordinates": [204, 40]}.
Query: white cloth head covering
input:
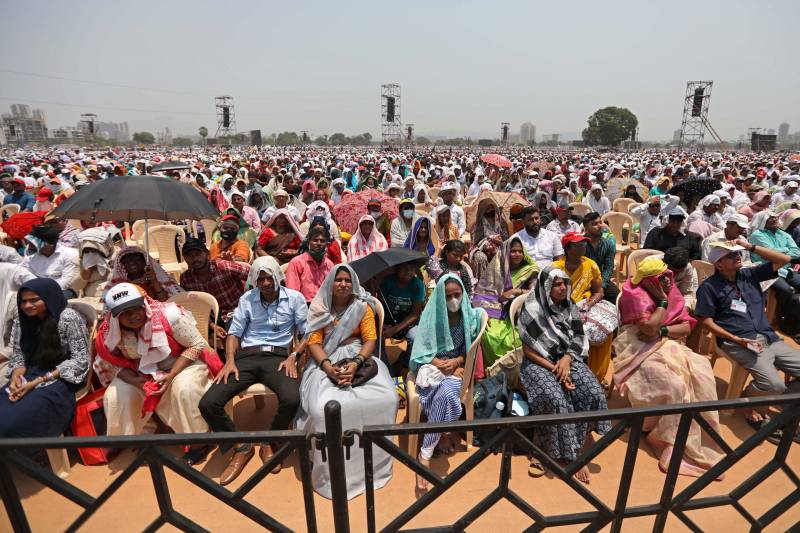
{"type": "Point", "coordinates": [760, 219]}
{"type": "Point", "coordinates": [718, 250]}
{"type": "Point", "coordinates": [320, 311]}
{"type": "Point", "coordinates": [267, 264]}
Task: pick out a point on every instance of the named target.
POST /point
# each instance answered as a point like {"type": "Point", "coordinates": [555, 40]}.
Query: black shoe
{"type": "Point", "coordinates": [774, 437]}
{"type": "Point", "coordinates": [197, 455]}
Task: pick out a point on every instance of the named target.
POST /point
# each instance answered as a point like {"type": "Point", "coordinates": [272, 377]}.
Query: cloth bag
{"type": "Point", "coordinates": [599, 322]}
{"type": "Point", "coordinates": [90, 421]}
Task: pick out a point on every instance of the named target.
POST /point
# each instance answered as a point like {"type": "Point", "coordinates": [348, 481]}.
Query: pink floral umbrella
{"type": "Point", "coordinates": [353, 206]}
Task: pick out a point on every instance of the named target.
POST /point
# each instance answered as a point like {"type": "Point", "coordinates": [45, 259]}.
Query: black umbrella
{"type": "Point", "coordinates": [373, 264]}
{"type": "Point", "coordinates": [171, 165]}
{"type": "Point", "coordinates": [131, 198]}
{"type": "Point", "coordinates": [696, 188]}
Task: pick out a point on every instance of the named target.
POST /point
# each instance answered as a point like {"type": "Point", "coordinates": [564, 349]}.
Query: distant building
{"type": "Point", "coordinates": [527, 133]}
{"type": "Point", "coordinates": [22, 127]}
{"type": "Point", "coordinates": [783, 133]}
{"type": "Point", "coordinates": [68, 134]}
{"type": "Point", "coordinates": [676, 136]}
{"type": "Point", "coordinates": [113, 131]}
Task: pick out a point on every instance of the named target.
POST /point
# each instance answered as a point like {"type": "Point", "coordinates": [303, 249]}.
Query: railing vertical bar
{"type": "Point", "coordinates": [336, 465]}
{"type": "Point", "coordinates": [627, 473]}
{"type": "Point", "coordinates": [304, 450]}
{"type": "Point", "coordinates": [11, 500]}
{"type": "Point", "coordinates": [369, 482]}
{"type": "Point", "coordinates": [672, 471]}
{"type": "Point", "coordinates": [159, 482]}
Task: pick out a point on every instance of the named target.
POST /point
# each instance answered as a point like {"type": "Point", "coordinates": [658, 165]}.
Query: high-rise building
{"type": "Point", "coordinates": [21, 127]}
{"type": "Point", "coordinates": [676, 136]}
{"type": "Point", "coordinates": [783, 133]}
{"type": "Point", "coordinates": [527, 133]}
{"type": "Point", "coordinates": [113, 131]}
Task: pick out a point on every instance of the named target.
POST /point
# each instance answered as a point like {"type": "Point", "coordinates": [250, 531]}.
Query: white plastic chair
{"type": "Point", "coordinates": [467, 390]}
{"type": "Point", "coordinates": [162, 240]}
{"type": "Point", "coordinates": [636, 257]}
{"type": "Point", "coordinates": [203, 307]}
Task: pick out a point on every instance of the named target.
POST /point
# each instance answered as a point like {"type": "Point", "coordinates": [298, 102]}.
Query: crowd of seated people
{"type": "Point", "coordinates": [295, 316]}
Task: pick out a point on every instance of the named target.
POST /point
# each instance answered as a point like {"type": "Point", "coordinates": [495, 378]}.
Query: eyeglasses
{"type": "Point", "coordinates": [663, 277]}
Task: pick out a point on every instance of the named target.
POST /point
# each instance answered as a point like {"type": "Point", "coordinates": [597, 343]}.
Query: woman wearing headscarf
{"type": "Point", "coordinates": [337, 188]}
{"type": "Point", "coordinates": [341, 341]}
{"type": "Point", "coordinates": [761, 201]}
{"type": "Point", "coordinates": [422, 238]}
{"type": "Point", "coordinates": [96, 255]}
{"type": "Point", "coordinates": [488, 221]}
{"type": "Point", "coordinates": [511, 272]}
{"type": "Point", "coordinates": [248, 214]}
{"type": "Point", "coordinates": [319, 208]}
{"type": "Point", "coordinates": [152, 359]}
{"type": "Point", "coordinates": [422, 196]}
{"type": "Point", "coordinates": [367, 239]}
{"type": "Point", "coordinates": [307, 191]}
{"type": "Point", "coordinates": [448, 326]}
{"type": "Point", "coordinates": [661, 187]}
{"type": "Point", "coordinates": [133, 265]}
{"type": "Point", "coordinates": [443, 224]}
{"type": "Point", "coordinates": [554, 373]}
{"type": "Point", "coordinates": [653, 368]}
{"type": "Point", "coordinates": [482, 253]}
{"type": "Point", "coordinates": [48, 364]}
{"type": "Point", "coordinates": [257, 200]}
{"type": "Point", "coordinates": [705, 219]}
{"type": "Point", "coordinates": [281, 237]}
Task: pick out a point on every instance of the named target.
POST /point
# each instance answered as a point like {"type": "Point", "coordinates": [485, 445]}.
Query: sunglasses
{"type": "Point", "coordinates": [664, 277]}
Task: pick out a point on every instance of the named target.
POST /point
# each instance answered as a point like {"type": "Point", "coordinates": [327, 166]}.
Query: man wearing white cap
{"type": "Point", "coordinates": [735, 226]}
{"type": "Point", "coordinates": [649, 214]}
{"type": "Point", "coordinates": [281, 199]}
{"type": "Point", "coordinates": [788, 194]}
{"type": "Point", "coordinates": [730, 304]}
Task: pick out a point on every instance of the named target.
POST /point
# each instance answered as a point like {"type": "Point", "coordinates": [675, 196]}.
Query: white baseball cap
{"type": "Point", "coordinates": [123, 296]}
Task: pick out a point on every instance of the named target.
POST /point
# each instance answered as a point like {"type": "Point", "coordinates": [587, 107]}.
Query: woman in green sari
{"type": "Point", "coordinates": [510, 273]}
{"type": "Point", "coordinates": [246, 233]}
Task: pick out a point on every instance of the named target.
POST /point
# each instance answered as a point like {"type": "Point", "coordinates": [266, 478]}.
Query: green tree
{"type": "Point", "coordinates": [203, 131]}
{"type": "Point", "coordinates": [287, 138]}
{"type": "Point", "coordinates": [182, 141]}
{"type": "Point", "coordinates": [337, 139]}
{"type": "Point", "coordinates": [144, 137]}
{"type": "Point", "coordinates": [321, 141]}
{"type": "Point", "coordinates": [610, 126]}
{"type": "Point", "coordinates": [422, 141]}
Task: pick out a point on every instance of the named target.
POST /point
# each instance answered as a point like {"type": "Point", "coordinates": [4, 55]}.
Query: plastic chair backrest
{"type": "Point", "coordinates": [8, 210]}
{"type": "Point", "coordinates": [284, 268]}
{"type": "Point", "coordinates": [138, 228]}
{"type": "Point", "coordinates": [433, 192]}
{"type": "Point", "coordinates": [516, 307]}
{"type": "Point", "coordinates": [704, 270]}
{"type": "Point", "coordinates": [379, 327]}
{"type": "Point", "coordinates": [580, 209]}
{"type": "Point", "coordinates": [162, 238]}
{"type": "Point", "coordinates": [637, 255]}
{"type": "Point", "coordinates": [621, 205]}
{"type": "Point", "coordinates": [88, 313]}
{"type": "Point", "coordinates": [202, 306]}
{"type": "Point", "coordinates": [208, 228]}
{"type": "Point", "coordinates": [616, 222]}
{"type": "Point", "coordinates": [469, 364]}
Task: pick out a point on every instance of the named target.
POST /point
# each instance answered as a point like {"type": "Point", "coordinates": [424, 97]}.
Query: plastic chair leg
{"type": "Point", "coordinates": [59, 462]}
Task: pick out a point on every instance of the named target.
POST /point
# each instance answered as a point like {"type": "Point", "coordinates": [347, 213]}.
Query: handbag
{"type": "Point", "coordinates": [90, 421]}
{"type": "Point", "coordinates": [600, 322]}
{"type": "Point", "coordinates": [366, 372]}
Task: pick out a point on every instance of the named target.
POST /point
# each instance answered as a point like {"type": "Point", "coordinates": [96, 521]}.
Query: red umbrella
{"type": "Point", "coordinates": [353, 206]}
{"type": "Point", "coordinates": [496, 160]}
{"type": "Point", "coordinates": [19, 225]}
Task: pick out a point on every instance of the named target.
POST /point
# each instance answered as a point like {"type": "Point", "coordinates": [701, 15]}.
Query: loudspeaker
{"type": "Point", "coordinates": [226, 117]}
{"type": "Point", "coordinates": [390, 109]}
{"type": "Point", "coordinates": [255, 137]}
{"type": "Point", "coordinates": [305, 138]}
{"type": "Point", "coordinates": [763, 143]}
{"type": "Point", "coordinates": [505, 133]}
{"type": "Point", "coordinates": [697, 103]}
{"type": "Point", "coordinates": [91, 127]}
{"type": "Point", "coordinates": [12, 130]}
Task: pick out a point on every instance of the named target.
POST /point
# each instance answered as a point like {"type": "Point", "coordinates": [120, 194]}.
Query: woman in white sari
{"type": "Point", "coordinates": [341, 326]}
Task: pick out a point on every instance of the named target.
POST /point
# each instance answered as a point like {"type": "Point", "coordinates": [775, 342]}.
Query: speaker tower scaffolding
{"type": "Point", "coordinates": [391, 125]}
{"type": "Point", "coordinates": [695, 115]}
{"type": "Point", "coordinates": [226, 117]}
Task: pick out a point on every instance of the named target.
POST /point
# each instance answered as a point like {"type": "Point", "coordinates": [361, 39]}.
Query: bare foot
{"type": "Point", "coordinates": [583, 475]}
{"type": "Point", "coordinates": [422, 483]}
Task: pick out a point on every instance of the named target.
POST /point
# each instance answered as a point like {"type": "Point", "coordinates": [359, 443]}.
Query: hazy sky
{"type": "Point", "coordinates": [463, 66]}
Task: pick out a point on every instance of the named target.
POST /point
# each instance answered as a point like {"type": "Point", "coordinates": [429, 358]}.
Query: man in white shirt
{"type": "Point", "coordinates": [788, 194]}
{"type": "Point", "coordinates": [281, 199]}
{"type": "Point", "coordinates": [649, 214]}
{"type": "Point", "coordinates": [735, 226]}
{"type": "Point", "coordinates": [52, 260]}
{"type": "Point", "coordinates": [542, 245]}
{"type": "Point", "coordinates": [562, 223]}
{"type": "Point", "coordinates": [447, 195]}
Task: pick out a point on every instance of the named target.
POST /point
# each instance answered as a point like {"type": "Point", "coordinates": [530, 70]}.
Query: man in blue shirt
{"type": "Point", "coordinates": [731, 304]}
{"type": "Point", "coordinates": [257, 351]}
{"type": "Point", "coordinates": [24, 200]}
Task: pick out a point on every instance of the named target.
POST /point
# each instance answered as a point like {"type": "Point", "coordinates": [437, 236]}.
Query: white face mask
{"type": "Point", "coordinates": [454, 304]}
{"type": "Point", "coordinates": [408, 213]}
{"type": "Point", "coordinates": [375, 214]}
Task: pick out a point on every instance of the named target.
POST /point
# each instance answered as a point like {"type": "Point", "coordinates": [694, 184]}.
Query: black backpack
{"type": "Point", "coordinates": [492, 400]}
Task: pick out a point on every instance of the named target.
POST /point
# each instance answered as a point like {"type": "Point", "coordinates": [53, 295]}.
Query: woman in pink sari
{"type": "Point", "coordinates": [653, 367]}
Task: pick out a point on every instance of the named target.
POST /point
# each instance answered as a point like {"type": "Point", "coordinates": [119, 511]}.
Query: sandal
{"type": "Point", "coordinates": [535, 469]}
{"type": "Point", "coordinates": [774, 437]}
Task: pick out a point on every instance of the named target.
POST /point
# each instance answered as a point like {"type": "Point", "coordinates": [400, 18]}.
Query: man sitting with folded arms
{"type": "Point", "coordinates": [257, 351]}
{"type": "Point", "coordinates": [730, 304]}
{"type": "Point", "coordinates": [224, 280]}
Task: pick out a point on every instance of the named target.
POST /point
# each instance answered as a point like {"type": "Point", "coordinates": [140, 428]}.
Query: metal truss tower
{"type": "Point", "coordinates": [391, 125]}
{"type": "Point", "coordinates": [226, 116]}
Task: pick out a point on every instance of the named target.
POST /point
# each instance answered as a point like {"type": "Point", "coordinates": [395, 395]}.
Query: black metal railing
{"type": "Point", "coordinates": [511, 431]}
{"type": "Point", "coordinates": [152, 453]}
{"type": "Point", "coordinates": [335, 442]}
